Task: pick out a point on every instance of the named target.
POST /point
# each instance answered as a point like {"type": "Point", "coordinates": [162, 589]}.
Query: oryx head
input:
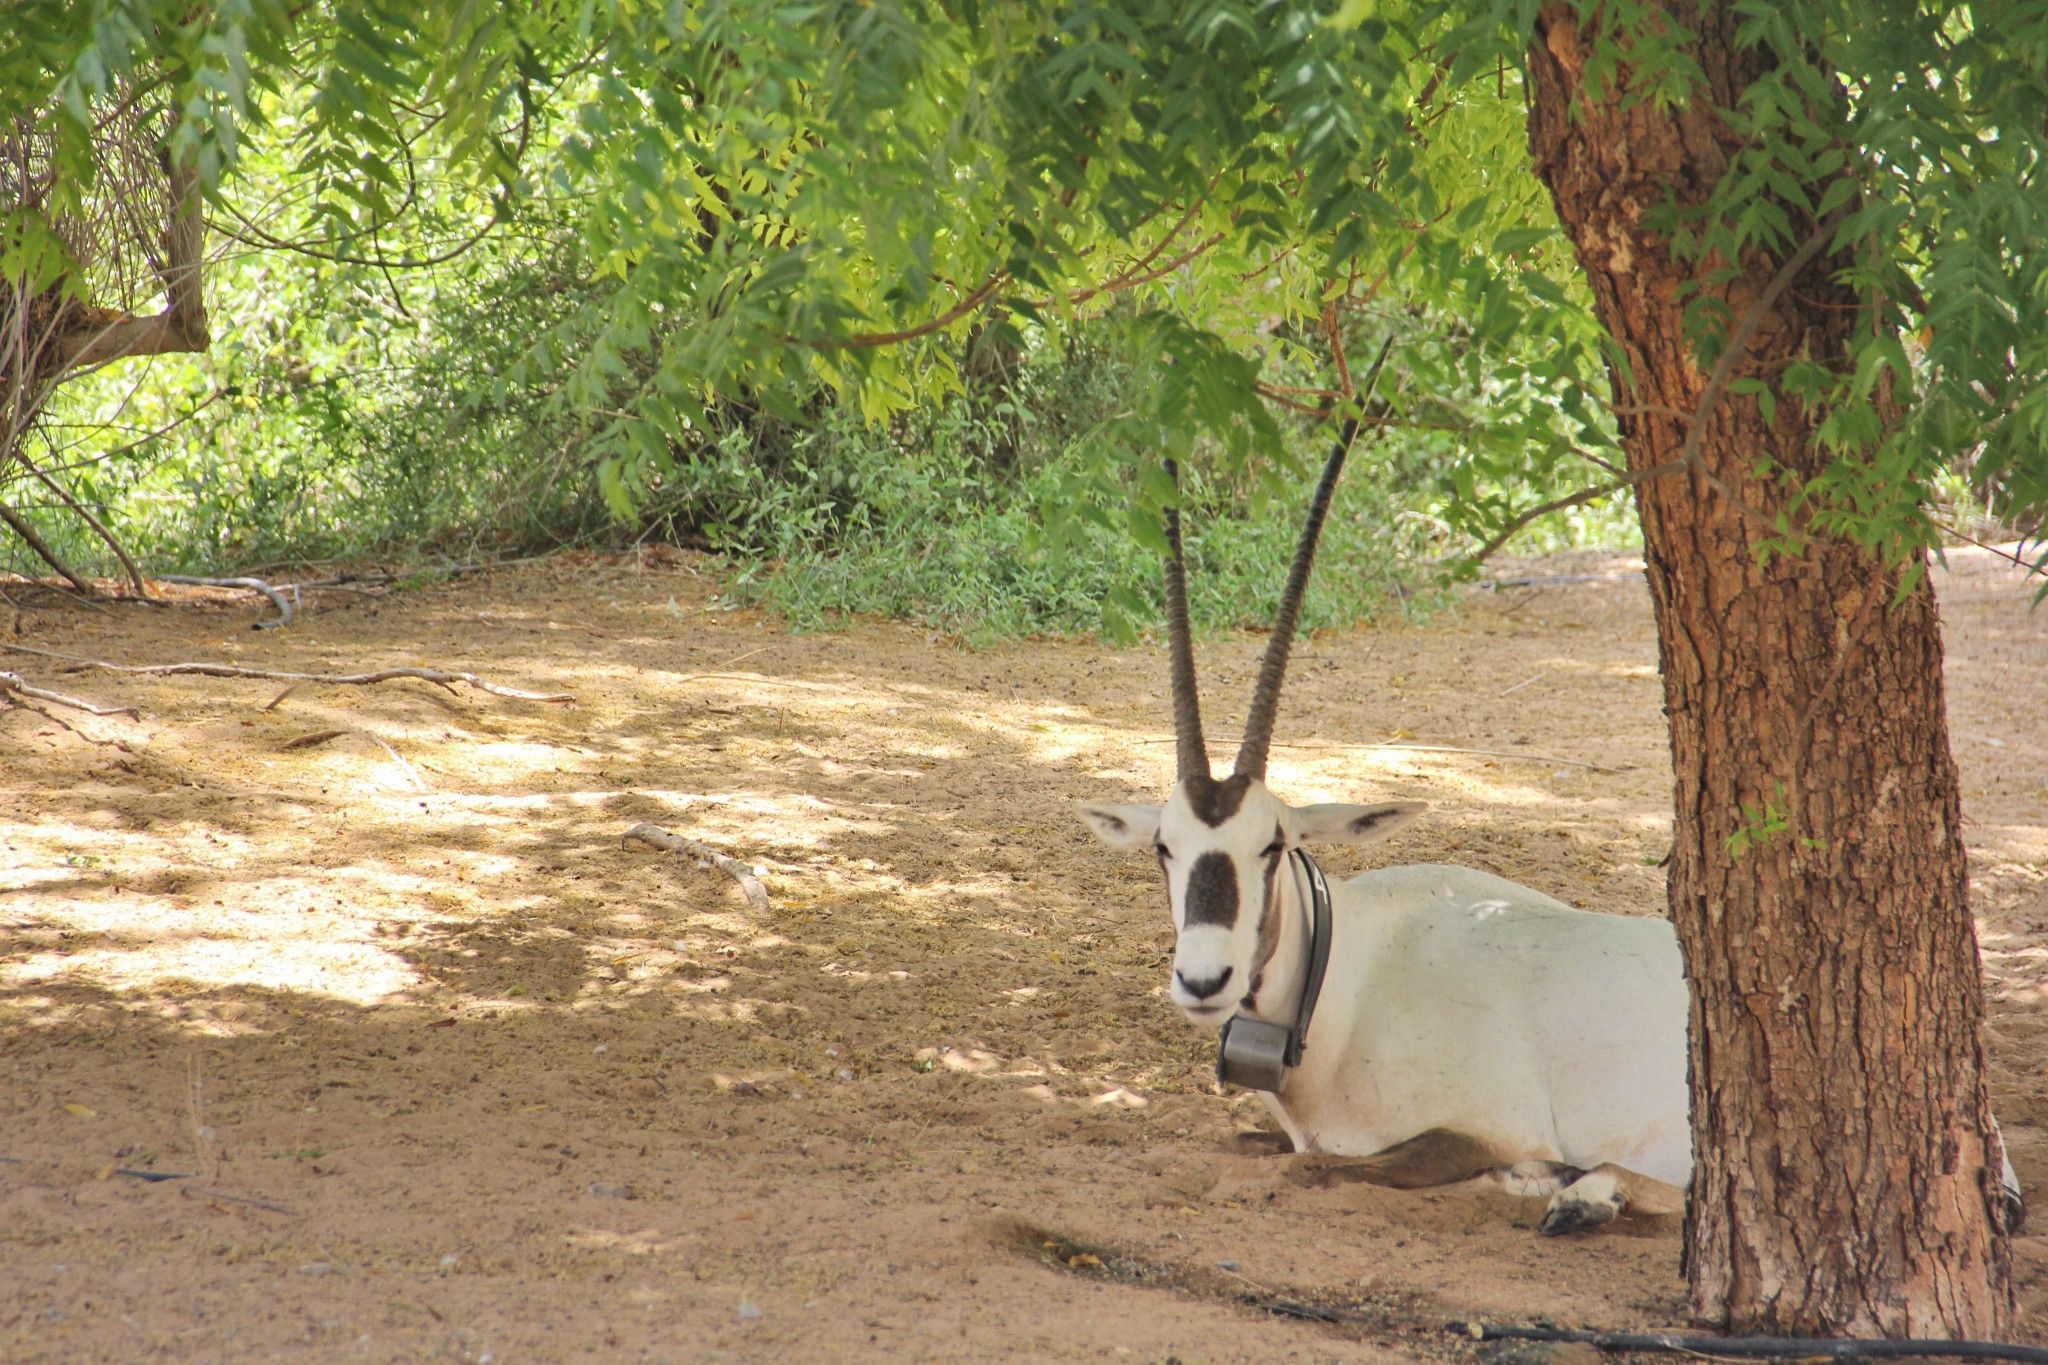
{"type": "Point", "coordinates": [1223, 843]}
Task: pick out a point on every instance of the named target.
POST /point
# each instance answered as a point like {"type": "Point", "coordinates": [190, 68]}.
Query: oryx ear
{"type": "Point", "coordinates": [1124, 827]}
{"type": "Point", "coordinates": [1339, 823]}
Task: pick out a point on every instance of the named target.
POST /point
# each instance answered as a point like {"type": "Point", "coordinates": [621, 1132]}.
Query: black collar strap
{"type": "Point", "coordinates": [1318, 951]}
{"type": "Point", "coordinates": [1258, 1055]}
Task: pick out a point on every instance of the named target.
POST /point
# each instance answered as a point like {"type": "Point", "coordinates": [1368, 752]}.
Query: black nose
{"type": "Point", "coordinates": [1203, 987]}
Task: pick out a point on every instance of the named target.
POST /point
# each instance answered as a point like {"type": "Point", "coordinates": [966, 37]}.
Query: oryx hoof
{"type": "Point", "coordinates": [1585, 1204]}
{"type": "Point", "coordinates": [1564, 1218]}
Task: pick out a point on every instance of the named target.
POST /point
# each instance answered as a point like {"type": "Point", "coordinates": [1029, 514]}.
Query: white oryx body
{"type": "Point", "coordinates": [1466, 1026]}
{"type": "Point", "coordinates": [1458, 1000]}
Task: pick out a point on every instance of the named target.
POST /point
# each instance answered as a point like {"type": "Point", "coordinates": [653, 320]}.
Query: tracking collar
{"type": "Point", "coordinates": [1258, 1055]}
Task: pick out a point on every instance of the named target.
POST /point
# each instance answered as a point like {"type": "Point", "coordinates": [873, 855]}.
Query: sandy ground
{"type": "Point", "coordinates": [455, 1075]}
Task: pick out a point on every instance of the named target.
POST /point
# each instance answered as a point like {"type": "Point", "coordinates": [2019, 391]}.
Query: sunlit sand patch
{"type": "Point", "coordinates": [857, 976]}
{"type": "Point", "coordinates": [353, 973]}
{"type": "Point", "coordinates": [718, 1007]}
{"type": "Point", "coordinates": [2010, 850]}
{"type": "Point", "coordinates": [643, 1242]}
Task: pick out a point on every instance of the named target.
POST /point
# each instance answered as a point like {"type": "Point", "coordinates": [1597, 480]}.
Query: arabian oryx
{"type": "Point", "coordinates": [1439, 1021]}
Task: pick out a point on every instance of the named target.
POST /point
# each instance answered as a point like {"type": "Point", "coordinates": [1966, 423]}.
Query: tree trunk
{"type": "Point", "coordinates": [1844, 1176]}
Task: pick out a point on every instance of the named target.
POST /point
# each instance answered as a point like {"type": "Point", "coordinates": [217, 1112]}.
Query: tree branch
{"type": "Point", "coordinates": [86, 514]}
{"type": "Point", "coordinates": [1120, 284]}
{"type": "Point", "coordinates": [95, 336]}
{"type": "Point", "coordinates": [14, 683]}
{"type": "Point", "coordinates": [1144, 262]}
{"type": "Point", "coordinates": [20, 526]}
{"type": "Point", "coordinates": [945, 319]}
{"type": "Point", "coordinates": [1710, 397]}
{"type": "Point", "coordinates": [1739, 339]}
{"type": "Point", "coordinates": [1584, 495]}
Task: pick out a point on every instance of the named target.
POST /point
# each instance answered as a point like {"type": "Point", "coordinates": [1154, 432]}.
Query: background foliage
{"type": "Point", "coordinates": [700, 274]}
{"type": "Point", "coordinates": [902, 304]}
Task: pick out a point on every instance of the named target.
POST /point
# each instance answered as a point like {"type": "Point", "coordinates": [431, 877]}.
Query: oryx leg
{"type": "Point", "coordinates": [1602, 1194]}
{"type": "Point", "coordinates": [1535, 1179]}
{"type": "Point", "coordinates": [1440, 1156]}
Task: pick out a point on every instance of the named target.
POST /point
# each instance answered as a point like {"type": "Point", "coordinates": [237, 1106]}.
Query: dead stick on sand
{"type": "Point", "coordinates": [194, 1192]}
{"type": "Point", "coordinates": [440, 677]}
{"type": "Point", "coordinates": [654, 836]}
{"type": "Point", "coordinates": [411, 773]}
{"type": "Point", "coordinates": [16, 684]}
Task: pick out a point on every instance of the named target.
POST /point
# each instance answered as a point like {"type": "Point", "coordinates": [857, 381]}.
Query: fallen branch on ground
{"type": "Point", "coordinates": [1768, 1348]}
{"type": "Point", "coordinates": [284, 606]}
{"type": "Point", "coordinates": [411, 772]}
{"type": "Point", "coordinates": [193, 1192]}
{"type": "Point", "coordinates": [14, 683]}
{"type": "Point", "coordinates": [440, 677]}
{"type": "Point", "coordinates": [655, 836]}
{"type": "Point", "coordinates": [385, 578]}
{"type": "Point", "coordinates": [322, 736]}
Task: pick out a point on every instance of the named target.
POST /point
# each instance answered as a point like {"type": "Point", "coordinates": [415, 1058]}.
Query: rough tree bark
{"type": "Point", "coordinates": [1844, 1177]}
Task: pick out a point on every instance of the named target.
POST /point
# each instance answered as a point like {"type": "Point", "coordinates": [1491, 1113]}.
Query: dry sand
{"type": "Point", "coordinates": [457, 1076]}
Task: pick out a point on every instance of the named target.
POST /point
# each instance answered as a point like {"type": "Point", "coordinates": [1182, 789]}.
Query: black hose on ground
{"type": "Point", "coordinates": [1763, 1348]}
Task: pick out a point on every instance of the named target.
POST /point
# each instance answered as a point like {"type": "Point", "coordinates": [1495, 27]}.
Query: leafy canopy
{"type": "Point", "coordinates": [777, 198]}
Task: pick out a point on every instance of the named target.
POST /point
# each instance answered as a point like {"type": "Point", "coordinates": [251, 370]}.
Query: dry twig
{"type": "Point", "coordinates": [194, 1192]}
{"type": "Point", "coordinates": [14, 683]}
{"type": "Point", "coordinates": [441, 677]}
{"type": "Point", "coordinates": [411, 773]}
{"type": "Point", "coordinates": [654, 836]}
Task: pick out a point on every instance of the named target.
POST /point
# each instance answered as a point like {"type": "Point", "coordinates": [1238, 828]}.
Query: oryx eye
{"type": "Point", "coordinates": [1273, 850]}
{"type": "Point", "coordinates": [1161, 850]}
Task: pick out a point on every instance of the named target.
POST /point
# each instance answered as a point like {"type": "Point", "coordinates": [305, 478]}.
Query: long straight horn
{"type": "Point", "coordinates": [1193, 754]}
{"type": "Point", "coordinates": [1265, 705]}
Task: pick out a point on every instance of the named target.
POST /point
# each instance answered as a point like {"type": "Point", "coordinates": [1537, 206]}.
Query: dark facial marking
{"type": "Point", "coordinates": [1212, 891]}
{"type": "Point", "coordinates": [1269, 935]}
{"type": "Point", "coordinates": [1214, 802]}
